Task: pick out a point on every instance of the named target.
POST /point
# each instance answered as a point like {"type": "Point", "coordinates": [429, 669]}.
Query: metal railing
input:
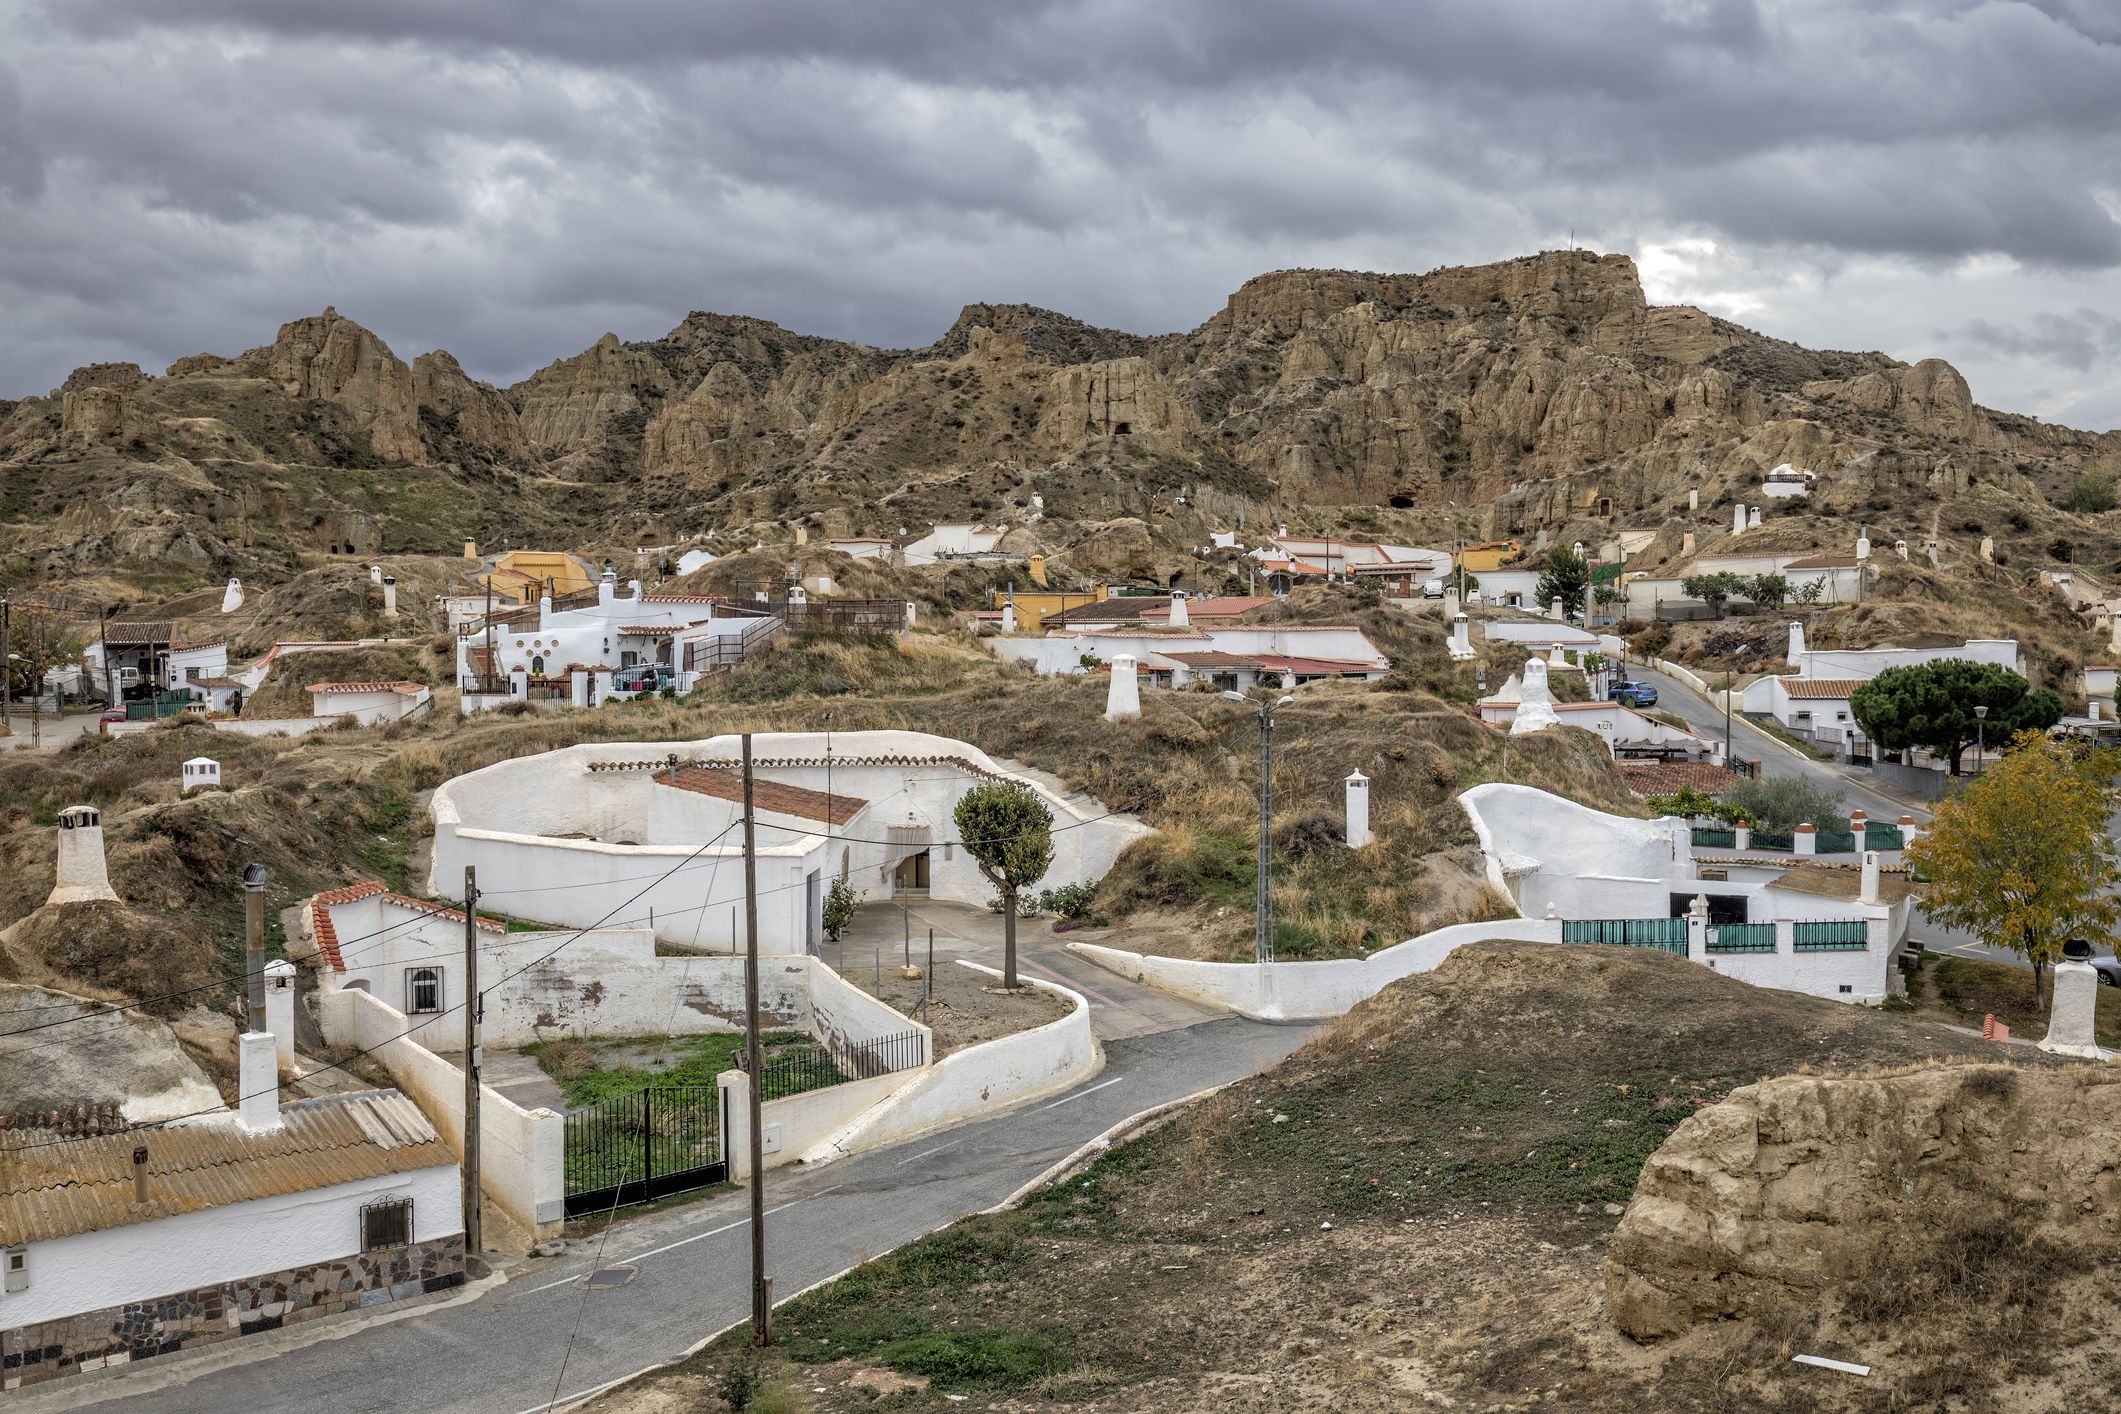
{"type": "Point", "coordinates": [1663, 934]}
{"type": "Point", "coordinates": [1831, 935]}
{"type": "Point", "coordinates": [1741, 937]}
{"type": "Point", "coordinates": [794, 1069]}
{"type": "Point", "coordinates": [726, 650]}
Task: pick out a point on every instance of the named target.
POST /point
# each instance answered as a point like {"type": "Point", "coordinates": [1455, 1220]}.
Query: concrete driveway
{"type": "Point", "coordinates": [1118, 1008]}
{"type": "Point", "coordinates": [55, 730]}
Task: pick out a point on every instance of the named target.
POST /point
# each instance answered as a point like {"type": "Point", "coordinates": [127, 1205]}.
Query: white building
{"type": "Point", "coordinates": [694, 560]}
{"type": "Point", "coordinates": [1343, 557]}
{"type": "Point", "coordinates": [957, 540]}
{"type": "Point", "coordinates": [1286, 653]}
{"type": "Point", "coordinates": [596, 831]}
{"type": "Point", "coordinates": [686, 633]}
{"type": "Point", "coordinates": [187, 663]}
{"type": "Point", "coordinates": [1813, 702]}
{"type": "Point", "coordinates": [1794, 923]}
{"type": "Point", "coordinates": [1786, 481]}
{"type": "Point", "coordinates": [1511, 589]}
{"type": "Point", "coordinates": [370, 702]}
{"type": "Point", "coordinates": [1621, 728]}
{"type": "Point", "coordinates": [124, 1246]}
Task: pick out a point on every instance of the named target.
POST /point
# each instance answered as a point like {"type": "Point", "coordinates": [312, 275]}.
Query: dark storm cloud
{"type": "Point", "coordinates": [2081, 339]}
{"type": "Point", "coordinates": [511, 179]}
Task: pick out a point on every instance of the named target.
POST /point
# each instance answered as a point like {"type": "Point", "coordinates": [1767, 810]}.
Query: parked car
{"type": "Point", "coordinates": [1632, 694]}
{"type": "Point", "coordinates": [2109, 970]}
{"type": "Point", "coordinates": [646, 677]}
{"type": "Point", "coordinates": [103, 722]}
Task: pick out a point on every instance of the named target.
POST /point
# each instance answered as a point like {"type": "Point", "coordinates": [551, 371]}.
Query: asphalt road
{"type": "Point", "coordinates": [505, 1352]}
{"type": "Point", "coordinates": [1749, 743]}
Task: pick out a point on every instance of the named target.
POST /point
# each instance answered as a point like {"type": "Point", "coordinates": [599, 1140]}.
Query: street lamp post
{"type": "Point", "coordinates": [1981, 741]}
{"type": "Point", "coordinates": [1263, 922]}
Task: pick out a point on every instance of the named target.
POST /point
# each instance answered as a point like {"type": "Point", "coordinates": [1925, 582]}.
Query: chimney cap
{"type": "Point", "coordinates": [2077, 950]}
{"type": "Point", "coordinates": [254, 876]}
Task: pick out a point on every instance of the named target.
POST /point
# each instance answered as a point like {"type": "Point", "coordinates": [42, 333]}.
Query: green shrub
{"type": "Point", "coordinates": [2093, 494]}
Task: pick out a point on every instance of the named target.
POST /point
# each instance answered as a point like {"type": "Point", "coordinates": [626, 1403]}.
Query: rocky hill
{"type": "Point", "coordinates": [1537, 393]}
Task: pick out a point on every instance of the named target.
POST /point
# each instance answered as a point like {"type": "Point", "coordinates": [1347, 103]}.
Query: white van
{"type": "Point", "coordinates": [1432, 590]}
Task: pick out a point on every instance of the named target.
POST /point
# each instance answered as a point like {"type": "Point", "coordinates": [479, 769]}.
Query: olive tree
{"type": "Point", "coordinates": [1008, 831]}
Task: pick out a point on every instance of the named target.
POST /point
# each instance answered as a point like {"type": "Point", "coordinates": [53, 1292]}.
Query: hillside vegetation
{"type": "Point", "coordinates": [1412, 1211]}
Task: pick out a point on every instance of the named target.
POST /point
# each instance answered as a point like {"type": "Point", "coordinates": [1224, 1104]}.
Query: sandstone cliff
{"type": "Point", "coordinates": [474, 412]}
{"type": "Point", "coordinates": [335, 360]}
{"type": "Point", "coordinates": [1821, 1194]}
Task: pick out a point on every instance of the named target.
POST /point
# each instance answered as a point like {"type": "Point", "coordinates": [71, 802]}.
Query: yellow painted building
{"type": "Point", "coordinates": [568, 573]}
{"type": "Point", "coordinates": [1478, 559]}
{"type": "Point", "coordinates": [1033, 605]}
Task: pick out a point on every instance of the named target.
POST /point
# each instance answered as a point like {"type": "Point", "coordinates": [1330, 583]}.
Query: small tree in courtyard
{"type": "Point", "coordinates": [2021, 857]}
{"type": "Point", "coordinates": [1564, 577]}
{"type": "Point", "coordinates": [840, 903]}
{"type": "Point", "coordinates": [1008, 831]}
{"type": "Point", "coordinates": [1714, 590]}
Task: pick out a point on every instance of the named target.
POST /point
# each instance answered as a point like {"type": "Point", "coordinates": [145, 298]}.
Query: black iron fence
{"type": "Point", "coordinates": [794, 1069]}
{"type": "Point", "coordinates": [659, 1140]}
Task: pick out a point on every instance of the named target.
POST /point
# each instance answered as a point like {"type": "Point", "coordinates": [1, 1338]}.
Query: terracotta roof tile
{"type": "Point", "coordinates": [1671, 777]}
{"type": "Point", "coordinates": [775, 796]}
{"type": "Point", "coordinates": [1820, 689]}
{"type": "Point", "coordinates": [409, 689]}
{"type": "Point", "coordinates": [50, 1190]}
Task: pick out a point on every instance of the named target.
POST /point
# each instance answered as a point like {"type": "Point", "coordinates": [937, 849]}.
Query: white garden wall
{"type": "Point", "coordinates": [1307, 991]}
{"type": "Point", "coordinates": [520, 1151]}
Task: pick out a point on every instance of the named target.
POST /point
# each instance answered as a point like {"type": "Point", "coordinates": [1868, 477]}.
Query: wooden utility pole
{"type": "Point", "coordinates": [761, 1300]}
{"type": "Point", "coordinates": [474, 1228]}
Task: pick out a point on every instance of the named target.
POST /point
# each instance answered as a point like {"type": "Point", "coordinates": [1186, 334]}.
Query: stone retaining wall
{"type": "Point", "coordinates": [138, 1330]}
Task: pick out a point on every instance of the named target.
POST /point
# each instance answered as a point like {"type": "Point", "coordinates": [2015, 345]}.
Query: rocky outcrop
{"type": "Point", "coordinates": [1113, 399]}
{"type": "Point", "coordinates": [197, 363]}
{"type": "Point", "coordinates": [1796, 1192]}
{"type": "Point", "coordinates": [476, 411]}
{"type": "Point", "coordinates": [103, 375]}
{"type": "Point", "coordinates": [95, 415]}
{"type": "Point", "coordinates": [570, 405]}
{"type": "Point", "coordinates": [336, 360]}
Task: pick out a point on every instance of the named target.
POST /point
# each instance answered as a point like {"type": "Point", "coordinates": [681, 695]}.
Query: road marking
{"type": "Point", "coordinates": [658, 1251]}
{"type": "Point", "coordinates": [1069, 1099]}
{"type": "Point", "coordinates": [917, 1157]}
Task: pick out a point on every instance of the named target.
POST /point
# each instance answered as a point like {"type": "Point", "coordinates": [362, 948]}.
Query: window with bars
{"type": "Point", "coordinates": [423, 989]}
{"type": "Point", "coordinates": [386, 1224]}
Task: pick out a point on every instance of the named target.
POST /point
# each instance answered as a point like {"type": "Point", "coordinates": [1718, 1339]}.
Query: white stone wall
{"type": "Point", "coordinates": [521, 1152]}
{"type": "Point", "coordinates": [506, 819]}
{"type": "Point", "coordinates": [369, 708]}
{"type": "Point", "coordinates": [91, 1271]}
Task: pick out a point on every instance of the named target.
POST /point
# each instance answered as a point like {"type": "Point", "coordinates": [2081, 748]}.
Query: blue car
{"type": "Point", "coordinates": [1632, 694]}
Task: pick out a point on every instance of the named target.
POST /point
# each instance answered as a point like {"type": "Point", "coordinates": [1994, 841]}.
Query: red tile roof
{"type": "Point", "coordinates": [1671, 777]}
{"type": "Point", "coordinates": [409, 689]}
{"type": "Point", "coordinates": [1820, 689]}
{"type": "Point", "coordinates": [327, 934]}
{"type": "Point", "coordinates": [1212, 659]}
{"type": "Point", "coordinates": [775, 796]}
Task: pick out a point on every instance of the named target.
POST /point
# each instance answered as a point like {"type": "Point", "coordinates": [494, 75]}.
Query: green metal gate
{"type": "Point", "coordinates": [1663, 934]}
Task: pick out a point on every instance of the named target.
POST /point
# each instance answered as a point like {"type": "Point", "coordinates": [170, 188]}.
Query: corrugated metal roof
{"type": "Point", "coordinates": [52, 1190]}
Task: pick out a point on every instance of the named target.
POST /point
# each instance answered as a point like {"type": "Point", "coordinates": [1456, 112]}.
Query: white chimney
{"type": "Point", "coordinates": [82, 876]}
{"type": "Point", "coordinates": [1450, 602]}
{"type": "Point", "coordinates": [1555, 607]}
{"type": "Point", "coordinates": [232, 597]}
{"type": "Point", "coordinates": [280, 1008]}
{"type": "Point", "coordinates": [1738, 520]}
{"type": "Point", "coordinates": [1796, 653]}
{"type": "Point", "coordinates": [1358, 810]}
{"type": "Point", "coordinates": [1869, 893]}
{"type": "Point", "coordinates": [1863, 544]}
{"type": "Point", "coordinates": [1461, 634]}
{"type": "Point", "coordinates": [259, 1079]}
{"type": "Point", "coordinates": [1123, 699]}
{"type": "Point", "coordinates": [1752, 518]}
{"type": "Point", "coordinates": [1009, 616]}
{"type": "Point", "coordinates": [1180, 616]}
{"type": "Point", "coordinates": [390, 596]}
{"type": "Point", "coordinates": [375, 574]}
{"type": "Point", "coordinates": [1693, 499]}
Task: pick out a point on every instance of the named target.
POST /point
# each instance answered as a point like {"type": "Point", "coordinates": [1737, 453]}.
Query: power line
{"type": "Point", "coordinates": [369, 1050]}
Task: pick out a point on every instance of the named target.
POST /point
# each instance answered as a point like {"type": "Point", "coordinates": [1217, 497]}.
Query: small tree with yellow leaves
{"type": "Point", "coordinates": [2021, 857]}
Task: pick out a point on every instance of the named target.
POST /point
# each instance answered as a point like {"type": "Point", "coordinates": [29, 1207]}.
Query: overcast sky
{"type": "Point", "coordinates": [510, 178]}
